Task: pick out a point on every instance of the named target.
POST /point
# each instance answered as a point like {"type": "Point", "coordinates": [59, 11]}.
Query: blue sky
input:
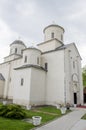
{"type": "Point", "coordinates": [26, 19]}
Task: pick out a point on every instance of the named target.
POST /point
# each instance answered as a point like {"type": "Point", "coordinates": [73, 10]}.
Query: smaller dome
{"type": "Point", "coordinates": [17, 42]}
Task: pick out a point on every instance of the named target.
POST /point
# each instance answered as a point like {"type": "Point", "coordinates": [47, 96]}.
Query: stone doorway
{"type": "Point", "coordinates": [84, 95]}
{"type": "Point", "coordinates": [75, 98]}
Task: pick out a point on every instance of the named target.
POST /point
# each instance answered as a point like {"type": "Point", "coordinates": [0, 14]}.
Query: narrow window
{"type": "Point", "coordinates": [25, 60]}
{"type": "Point", "coordinates": [52, 35]}
{"type": "Point", "coordinates": [21, 51]}
{"type": "Point", "coordinates": [22, 81]}
{"type": "Point", "coordinates": [61, 37]}
{"type": "Point", "coordinates": [46, 66]}
{"type": "Point", "coordinates": [73, 64]}
{"type": "Point", "coordinates": [38, 60]}
{"type": "Point", "coordinates": [10, 79]}
{"type": "Point", "coordinates": [15, 50]}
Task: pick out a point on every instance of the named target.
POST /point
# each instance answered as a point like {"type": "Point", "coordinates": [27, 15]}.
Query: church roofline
{"type": "Point", "coordinates": [55, 25]}
{"type": "Point", "coordinates": [62, 47]}
{"type": "Point", "coordinates": [1, 77]}
{"type": "Point", "coordinates": [10, 61]}
{"type": "Point", "coordinates": [75, 47]}
{"type": "Point", "coordinates": [13, 54]}
{"type": "Point", "coordinates": [29, 66]}
{"type": "Point", "coordinates": [33, 48]}
{"type": "Point", "coordinates": [49, 41]}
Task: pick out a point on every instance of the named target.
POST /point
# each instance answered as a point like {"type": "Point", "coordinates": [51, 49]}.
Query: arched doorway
{"type": "Point", "coordinates": [85, 95]}
{"type": "Point", "coordinates": [75, 88]}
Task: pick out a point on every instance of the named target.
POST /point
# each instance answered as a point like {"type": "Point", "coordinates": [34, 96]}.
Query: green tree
{"type": "Point", "coordinates": [84, 77]}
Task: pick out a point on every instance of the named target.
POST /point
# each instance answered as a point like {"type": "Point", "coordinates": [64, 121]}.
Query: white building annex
{"type": "Point", "coordinates": [48, 74]}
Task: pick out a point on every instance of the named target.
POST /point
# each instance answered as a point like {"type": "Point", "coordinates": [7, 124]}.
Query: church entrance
{"type": "Point", "coordinates": [85, 95]}
{"type": "Point", "coordinates": [75, 98]}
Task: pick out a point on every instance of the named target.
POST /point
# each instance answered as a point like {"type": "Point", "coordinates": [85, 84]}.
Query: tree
{"type": "Point", "coordinates": [84, 77]}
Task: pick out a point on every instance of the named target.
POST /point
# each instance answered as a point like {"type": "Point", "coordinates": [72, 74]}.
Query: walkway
{"type": "Point", "coordinates": [67, 122]}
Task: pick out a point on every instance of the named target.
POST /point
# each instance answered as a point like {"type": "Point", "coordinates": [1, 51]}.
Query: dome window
{"type": "Point", "coordinates": [38, 60]}
{"type": "Point", "coordinates": [15, 50]}
{"type": "Point", "coordinates": [46, 66]}
{"type": "Point", "coordinates": [61, 37]}
{"type": "Point", "coordinates": [22, 81]}
{"type": "Point", "coordinates": [52, 35]}
{"type": "Point", "coordinates": [25, 60]}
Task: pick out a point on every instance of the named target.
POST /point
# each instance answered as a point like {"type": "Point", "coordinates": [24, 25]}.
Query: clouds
{"type": "Point", "coordinates": [27, 19]}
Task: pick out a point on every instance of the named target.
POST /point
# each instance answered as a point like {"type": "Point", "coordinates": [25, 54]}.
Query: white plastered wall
{"type": "Point", "coordinates": [55, 77]}
{"type": "Point", "coordinates": [71, 55]}
{"type": "Point", "coordinates": [38, 87]}
{"type": "Point", "coordinates": [2, 88]}
{"type": "Point", "coordinates": [49, 45]}
{"type": "Point", "coordinates": [21, 93]}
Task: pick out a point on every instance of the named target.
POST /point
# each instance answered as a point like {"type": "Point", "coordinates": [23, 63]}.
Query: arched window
{"type": "Point", "coordinates": [22, 81]}
{"type": "Point", "coordinates": [52, 35]}
{"type": "Point", "coordinates": [21, 51]}
{"type": "Point", "coordinates": [25, 60]}
{"type": "Point", "coordinates": [15, 50]}
{"type": "Point", "coordinates": [61, 37]}
{"type": "Point", "coordinates": [38, 60]}
{"type": "Point", "coordinates": [73, 64]}
{"type": "Point", "coordinates": [46, 66]}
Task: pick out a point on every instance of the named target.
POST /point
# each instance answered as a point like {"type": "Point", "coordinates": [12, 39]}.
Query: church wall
{"type": "Point", "coordinates": [11, 57]}
{"type": "Point", "coordinates": [49, 45]}
{"type": "Point", "coordinates": [4, 69]}
{"type": "Point", "coordinates": [55, 77]}
{"type": "Point", "coordinates": [21, 93]}
{"type": "Point", "coordinates": [38, 87]}
{"type": "Point", "coordinates": [13, 64]}
{"type": "Point", "coordinates": [1, 88]}
{"type": "Point", "coordinates": [7, 70]}
{"type": "Point", "coordinates": [73, 68]}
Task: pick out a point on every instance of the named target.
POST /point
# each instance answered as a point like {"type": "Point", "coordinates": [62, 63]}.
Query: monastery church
{"type": "Point", "coordinates": [47, 74]}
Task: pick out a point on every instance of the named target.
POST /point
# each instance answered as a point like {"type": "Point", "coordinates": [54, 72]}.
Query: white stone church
{"type": "Point", "coordinates": [47, 74]}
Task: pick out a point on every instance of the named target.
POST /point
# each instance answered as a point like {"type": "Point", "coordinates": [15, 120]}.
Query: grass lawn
{"type": "Point", "coordinates": [50, 109]}
{"type": "Point", "coordinates": [84, 117]}
{"type": "Point", "coordinates": [47, 113]}
{"type": "Point", "coordinates": [9, 124]}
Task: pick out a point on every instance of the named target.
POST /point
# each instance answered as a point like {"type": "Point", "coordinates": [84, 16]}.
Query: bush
{"type": "Point", "coordinates": [12, 111]}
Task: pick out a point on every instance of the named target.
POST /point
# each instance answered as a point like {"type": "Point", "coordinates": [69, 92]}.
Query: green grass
{"type": "Point", "coordinates": [50, 109]}
{"type": "Point", "coordinates": [9, 124]}
{"type": "Point", "coordinates": [84, 117]}
{"type": "Point", "coordinates": [47, 113]}
{"type": "Point", "coordinates": [45, 117]}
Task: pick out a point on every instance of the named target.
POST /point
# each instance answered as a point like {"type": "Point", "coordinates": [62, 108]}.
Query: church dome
{"type": "Point", "coordinates": [17, 42]}
{"type": "Point", "coordinates": [53, 31]}
{"type": "Point", "coordinates": [53, 25]}
{"type": "Point", "coordinates": [16, 47]}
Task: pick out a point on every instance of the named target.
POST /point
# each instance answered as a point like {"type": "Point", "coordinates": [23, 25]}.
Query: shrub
{"type": "Point", "coordinates": [12, 111]}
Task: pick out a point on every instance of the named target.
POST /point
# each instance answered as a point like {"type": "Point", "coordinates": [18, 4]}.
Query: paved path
{"type": "Point", "coordinates": [67, 122]}
{"type": "Point", "coordinates": [80, 125]}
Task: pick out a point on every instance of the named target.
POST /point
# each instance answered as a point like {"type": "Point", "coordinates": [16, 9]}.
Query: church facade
{"type": "Point", "coordinates": [47, 74]}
